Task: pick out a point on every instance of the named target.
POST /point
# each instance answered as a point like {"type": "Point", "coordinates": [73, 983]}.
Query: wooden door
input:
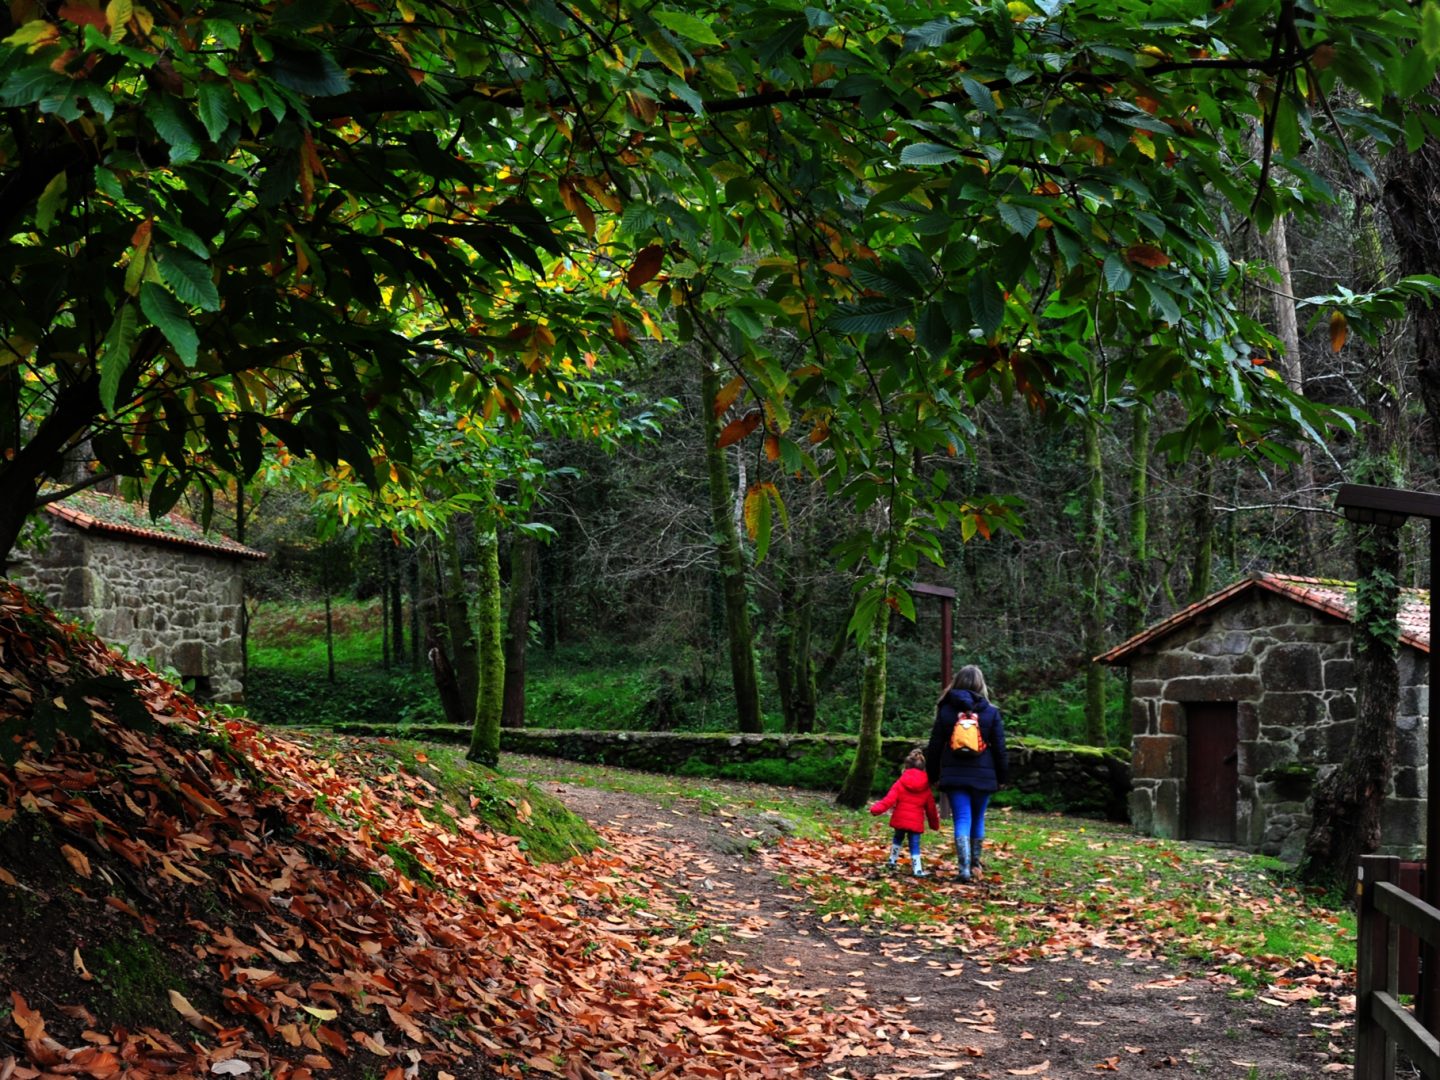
{"type": "Point", "coordinates": [1212, 774]}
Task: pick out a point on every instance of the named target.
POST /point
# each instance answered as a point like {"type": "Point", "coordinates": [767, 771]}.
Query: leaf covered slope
{"type": "Point", "coordinates": [186, 895]}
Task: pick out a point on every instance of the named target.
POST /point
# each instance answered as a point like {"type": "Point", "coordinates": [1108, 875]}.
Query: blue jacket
{"type": "Point", "coordinates": [950, 771]}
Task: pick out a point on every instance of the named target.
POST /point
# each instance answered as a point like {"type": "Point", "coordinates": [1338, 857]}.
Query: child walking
{"type": "Point", "coordinates": [913, 805]}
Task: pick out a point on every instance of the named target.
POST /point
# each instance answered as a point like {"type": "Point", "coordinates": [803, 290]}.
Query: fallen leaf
{"type": "Point", "coordinates": [77, 860]}
{"type": "Point", "coordinates": [1033, 1070]}
{"type": "Point", "coordinates": [230, 1067]}
{"type": "Point", "coordinates": [186, 1010]}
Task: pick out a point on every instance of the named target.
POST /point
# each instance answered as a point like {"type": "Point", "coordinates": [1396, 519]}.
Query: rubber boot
{"type": "Point", "coordinates": [916, 868]}
{"type": "Point", "coordinates": [977, 847]}
{"type": "Point", "coordinates": [894, 859]}
{"type": "Point", "coordinates": [962, 858]}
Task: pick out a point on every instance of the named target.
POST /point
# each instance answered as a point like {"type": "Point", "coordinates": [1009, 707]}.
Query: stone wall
{"type": "Point", "coordinates": [176, 607]}
{"type": "Point", "coordinates": [1079, 779]}
{"type": "Point", "coordinates": [1288, 669]}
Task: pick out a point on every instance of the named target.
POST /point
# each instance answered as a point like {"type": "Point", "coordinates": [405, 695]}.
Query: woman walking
{"type": "Point", "coordinates": [966, 760]}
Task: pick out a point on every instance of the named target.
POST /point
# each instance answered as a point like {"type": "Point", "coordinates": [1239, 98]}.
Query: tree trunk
{"type": "Point", "coordinates": [397, 605]}
{"type": "Point", "coordinates": [384, 558]}
{"type": "Point", "coordinates": [517, 629]}
{"type": "Point", "coordinates": [489, 703]}
{"type": "Point", "coordinates": [446, 684]}
{"type": "Point", "coordinates": [1203, 526]}
{"type": "Point", "coordinates": [1137, 599]}
{"type": "Point", "coordinates": [1345, 818]}
{"type": "Point", "coordinates": [1092, 629]}
{"type": "Point", "coordinates": [743, 670]}
{"type": "Point", "coordinates": [855, 792]}
{"type": "Point", "coordinates": [464, 651]}
{"type": "Point", "coordinates": [412, 566]}
{"type": "Point", "coordinates": [1287, 329]}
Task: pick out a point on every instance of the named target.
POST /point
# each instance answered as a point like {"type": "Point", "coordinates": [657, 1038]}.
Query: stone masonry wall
{"type": "Point", "coordinates": [178, 608]}
{"type": "Point", "coordinates": [1288, 668]}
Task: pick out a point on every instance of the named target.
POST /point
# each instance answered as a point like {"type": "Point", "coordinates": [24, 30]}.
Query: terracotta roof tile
{"type": "Point", "coordinates": [92, 511]}
{"type": "Point", "coordinates": [1331, 596]}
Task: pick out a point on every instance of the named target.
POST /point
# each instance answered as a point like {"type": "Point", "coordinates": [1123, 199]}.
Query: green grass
{"type": "Point", "coordinates": [595, 684]}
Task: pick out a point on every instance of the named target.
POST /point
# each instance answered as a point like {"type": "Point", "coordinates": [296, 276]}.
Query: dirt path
{"type": "Point", "coordinates": [947, 1014]}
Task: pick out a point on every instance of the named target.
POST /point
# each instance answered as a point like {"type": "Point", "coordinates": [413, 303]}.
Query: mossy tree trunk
{"type": "Point", "coordinates": [855, 791]}
{"type": "Point", "coordinates": [1092, 629]}
{"type": "Point", "coordinates": [740, 638]}
{"type": "Point", "coordinates": [489, 703]}
{"type": "Point", "coordinates": [517, 628]}
{"type": "Point", "coordinates": [1347, 804]}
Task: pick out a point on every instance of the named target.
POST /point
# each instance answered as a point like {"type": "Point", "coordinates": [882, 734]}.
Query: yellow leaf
{"type": "Point", "coordinates": [320, 1014]}
{"type": "Point", "coordinates": [727, 395]}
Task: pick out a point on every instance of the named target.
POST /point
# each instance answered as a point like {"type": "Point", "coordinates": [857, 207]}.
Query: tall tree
{"type": "Point", "coordinates": [517, 627]}
{"type": "Point", "coordinates": [855, 790]}
{"type": "Point", "coordinates": [489, 636]}
{"type": "Point", "coordinates": [739, 636]}
{"type": "Point", "coordinates": [1095, 592]}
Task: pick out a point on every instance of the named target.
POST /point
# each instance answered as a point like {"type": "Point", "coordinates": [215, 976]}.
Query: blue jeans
{"type": "Point", "coordinates": [968, 809]}
{"type": "Point", "coordinates": [901, 834]}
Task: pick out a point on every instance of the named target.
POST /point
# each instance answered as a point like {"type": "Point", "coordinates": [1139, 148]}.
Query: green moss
{"type": "Point", "coordinates": [137, 977]}
{"type": "Point", "coordinates": [544, 826]}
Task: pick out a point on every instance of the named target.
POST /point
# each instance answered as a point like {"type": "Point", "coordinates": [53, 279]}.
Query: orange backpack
{"type": "Point", "coordinates": [965, 737]}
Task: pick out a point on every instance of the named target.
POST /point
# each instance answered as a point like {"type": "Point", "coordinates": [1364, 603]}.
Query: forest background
{"type": "Point", "coordinates": [721, 328]}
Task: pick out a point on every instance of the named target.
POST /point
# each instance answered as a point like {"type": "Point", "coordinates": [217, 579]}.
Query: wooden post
{"type": "Point", "coordinates": [946, 602]}
{"type": "Point", "coordinates": [1374, 1050]}
{"type": "Point", "coordinates": [1429, 953]}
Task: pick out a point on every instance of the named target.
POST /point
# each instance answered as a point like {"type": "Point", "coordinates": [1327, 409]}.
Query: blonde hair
{"type": "Point", "coordinates": [971, 678]}
{"type": "Point", "coordinates": [914, 760]}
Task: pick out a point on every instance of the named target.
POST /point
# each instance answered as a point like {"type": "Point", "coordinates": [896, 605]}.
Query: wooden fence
{"type": "Point", "coordinates": [1381, 1022]}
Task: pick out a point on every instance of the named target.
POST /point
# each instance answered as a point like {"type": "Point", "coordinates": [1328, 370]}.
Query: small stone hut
{"type": "Point", "coordinates": [166, 590]}
{"type": "Point", "coordinates": [1239, 701]}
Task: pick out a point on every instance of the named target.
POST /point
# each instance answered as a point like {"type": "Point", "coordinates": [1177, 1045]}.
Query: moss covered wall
{"type": "Point", "coordinates": [1080, 779]}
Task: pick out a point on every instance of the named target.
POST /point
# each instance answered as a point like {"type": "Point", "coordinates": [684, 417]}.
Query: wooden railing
{"type": "Point", "coordinates": [1381, 1022]}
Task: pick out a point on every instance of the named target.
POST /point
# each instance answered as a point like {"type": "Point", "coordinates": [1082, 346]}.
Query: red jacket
{"type": "Point", "coordinates": [913, 803]}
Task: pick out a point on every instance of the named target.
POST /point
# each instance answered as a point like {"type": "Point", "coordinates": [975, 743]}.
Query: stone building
{"type": "Point", "coordinates": [165, 590]}
{"type": "Point", "coordinates": [1239, 701]}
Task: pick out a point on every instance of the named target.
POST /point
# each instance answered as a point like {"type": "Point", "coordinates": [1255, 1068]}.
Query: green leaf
{"type": "Point", "coordinates": [933, 330]}
{"type": "Point", "coordinates": [980, 94]}
{"type": "Point", "coordinates": [189, 278]}
{"type": "Point", "coordinates": [51, 200]}
{"type": "Point", "coordinates": [927, 154]}
{"type": "Point", "coordinates": [28, 85]}
{"type": "Point", "coordinates": [115, 354]}
{"type": "Point", "coordinates": [1430, 29]}
{"type": "Point", "coordinates": [174, 126]}
{"type": "Point", "coordinates": [689, 27]}
{"type": "Point", "coordinates": [217, 109]}
{"type": "Point", "coordinates": [307, 71]}
{"type": "Point", "coordinates": [666, 52]}
{"type": "Point", "coordinates": [170, 316]}
{"type": "Point", "coordinates": [868, 317]}
{"type": "Point", "coordinates": [1117, 274]}
{"type": "Point", "coordinates": [987, 306]}
{"type": "Point", "coordinates": [1020, 219]}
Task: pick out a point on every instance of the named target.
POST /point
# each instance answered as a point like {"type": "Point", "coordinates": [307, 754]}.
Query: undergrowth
{"type": "Point", "coordinates": [600, 685]}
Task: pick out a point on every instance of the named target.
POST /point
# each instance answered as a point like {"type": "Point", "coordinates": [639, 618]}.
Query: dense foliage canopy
{"type": "Point", "coordinates": [227, 228]}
